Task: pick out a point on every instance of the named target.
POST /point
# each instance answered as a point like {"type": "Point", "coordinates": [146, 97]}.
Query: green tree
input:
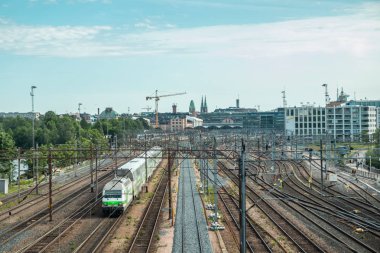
{"type": "Point", "coordinates": [7, 154]}
{"type": "Point", "coordinates": [375, 152]}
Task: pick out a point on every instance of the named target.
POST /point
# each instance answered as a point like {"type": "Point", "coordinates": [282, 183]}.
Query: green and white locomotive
{"type": "Point", "coordinates": [129, 180]}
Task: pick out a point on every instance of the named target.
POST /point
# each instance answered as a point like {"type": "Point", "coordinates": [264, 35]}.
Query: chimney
{"type": "Point", "coordinates": [174, 106]}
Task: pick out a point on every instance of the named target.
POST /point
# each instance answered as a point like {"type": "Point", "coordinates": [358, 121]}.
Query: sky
{"type": "Point", "coordinates": [115, 53]}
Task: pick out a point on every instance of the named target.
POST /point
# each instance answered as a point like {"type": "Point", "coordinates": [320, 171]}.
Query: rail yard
{"type": "Point", "coordinates": [193, 193]}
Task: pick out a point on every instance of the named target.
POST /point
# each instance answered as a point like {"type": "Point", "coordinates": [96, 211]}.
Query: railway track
{"type": "Point", "coordinates": [191, 210]}
{"type": "Point", "coordinates": [15, 230]}
{"type": "Point", "coordinates": [367, 210]}
{"type": "Point", "coordinates": [356, 218]}
{"type": "Point", "coordinates": [255, 240]}
{"type": "Point", "coordinates": [96, 239]}
{"type": "Point", "coordinates": [366, 194]}
{"type": "Point", "coordinates": [328, 227]}
{"type": "Point", "coordinates": [309, 210]}
{"type": "Point", "coordinates": [56, 232]}
{"type": "Point", "coordinates": [39, 199]}
{"type": "Point", "coordinates": [191, 233]}
{"type": "Point", "coordinates": [142, 242]}
{"type": "Point", "coordinates": [295, 235]}
{"type": "Point", "coordinates": [43, 188]}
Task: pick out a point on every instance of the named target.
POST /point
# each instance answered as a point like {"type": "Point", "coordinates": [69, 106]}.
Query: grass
{"type": "Point", "coordinates": [24, 184]}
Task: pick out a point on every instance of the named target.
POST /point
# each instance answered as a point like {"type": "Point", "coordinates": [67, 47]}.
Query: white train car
{"type": "Point", "coordinates": [135, 169]}
{"type": "Point", "coordinates": [129, 180]}
{"type": "Point", "coordinates": [117, 195]}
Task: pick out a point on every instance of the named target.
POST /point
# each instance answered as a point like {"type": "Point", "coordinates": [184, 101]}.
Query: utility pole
{"type": "Point", "coordinates": [37, 165]}
{"type": "Point", "coordinates": [115, 151]}
{"type": "Point", "coordinates": [310, 173]}
{"type": "Point", "coordinates": [18, 177]}
{"type": "Point", "coordinates": [96, 174]}
{"type": "Point", "coordinates": [215, 183]}
{"type": "Point", "coordinates": [242, 199]}
{"type": "Point", "coordinates": [78, 142]}
{"type": "Point", "coordinates": [272, 167]}
{"type": "Point", "coordinates": [92, 168]}
{"type": "Point", "coordinates": [146, 164]}
{"type": "Point", "coordinates": [170, 186]}
{"type": "Point", "coordinates": [50, 187]}
{"type": "Point", "coordinates": [33, 138]}
{"type": "Point", "coordinates": [321, 152]}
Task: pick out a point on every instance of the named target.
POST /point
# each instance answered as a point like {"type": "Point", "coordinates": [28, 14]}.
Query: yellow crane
{"type": "Point", "coordinates": [157, 98]}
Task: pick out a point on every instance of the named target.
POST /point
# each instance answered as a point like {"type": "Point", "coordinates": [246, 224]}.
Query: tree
{"type": "Point", "coordinates": [7, 152]}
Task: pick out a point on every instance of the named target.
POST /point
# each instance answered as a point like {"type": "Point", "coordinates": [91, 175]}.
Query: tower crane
{"type": "Point", "coordinates": [157, 98]}
{"type": "Point", "coordinates": [147, 108]}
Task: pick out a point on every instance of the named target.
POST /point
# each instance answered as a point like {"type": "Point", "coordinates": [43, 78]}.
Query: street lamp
{"type": "Point", "coordinates": [35, 174]}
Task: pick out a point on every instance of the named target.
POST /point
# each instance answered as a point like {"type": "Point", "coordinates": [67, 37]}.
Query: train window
{"type": "Point", "coordinates": [113, 196]}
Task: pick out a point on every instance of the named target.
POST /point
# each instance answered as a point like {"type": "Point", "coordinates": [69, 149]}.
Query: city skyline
{"type": "Point", "coordinates": [105, 53]}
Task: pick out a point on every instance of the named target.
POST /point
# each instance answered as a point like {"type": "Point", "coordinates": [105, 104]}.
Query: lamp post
{"type": "Point", "coordinates": [33, 139]}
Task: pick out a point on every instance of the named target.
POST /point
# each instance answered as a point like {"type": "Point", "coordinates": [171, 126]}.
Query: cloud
{"type": "Point", "coordinates": [4, 21]}
{"type": "Point", "coordinates": [71, 1]}
{"type": "Point", "coordinates": [66, 41]}
{"type": "Point", "coordinates": [145, 24]}
{"type": "Point", "coordinates": [356, 34]}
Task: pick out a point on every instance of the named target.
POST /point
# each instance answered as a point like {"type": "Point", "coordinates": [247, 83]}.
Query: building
{"type": "Point", "coordinates": [306, 120]}
{"type": "Point", "coordinates": [375, 103]}
{"type": "Point", "coordinates": [180, 123]}
{"type": "Point", "coordinates": [108, 113]}
{"type": "Point", "coordinates": [265, 121]}
{"type": "Point", "coordinates": [192, 108]}
{"type": "Point", "coordinates": [351, 122]}
{"type": "Point", "coordinates": [28, 115]}
{"type": "Point", "coordinates": [193, 122]}
{"type": "Point", "coordinates": [177, 124]}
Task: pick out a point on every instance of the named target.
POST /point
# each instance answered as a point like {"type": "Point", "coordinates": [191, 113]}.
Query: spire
{"type": "Point", "coordinates": [205, 106]}
{"type": "Point", "coordinates": [202, 107]}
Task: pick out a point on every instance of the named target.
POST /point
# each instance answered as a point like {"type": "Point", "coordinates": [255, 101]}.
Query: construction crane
{"type": "Point", "coordinates": [157, 98]}
{"type": "Point", "coordinates": [147, 108]}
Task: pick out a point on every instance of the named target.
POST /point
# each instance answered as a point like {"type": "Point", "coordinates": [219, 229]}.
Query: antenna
{"type": "Point", "coordinates": [327, 98]}
{"type": "Point", "coordinates": [283, 98]}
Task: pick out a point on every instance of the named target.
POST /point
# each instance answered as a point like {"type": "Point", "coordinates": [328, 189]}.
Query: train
{"type": "Point", "coordinates": [128, 181]}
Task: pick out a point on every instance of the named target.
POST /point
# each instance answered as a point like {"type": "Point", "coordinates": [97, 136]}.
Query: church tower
{"type": "Point", "coordinates": [205, 109]}
{"type": "Point", "coordinates": [192, 107]}
{"type": "Point", "coordinates": [202, 105]}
